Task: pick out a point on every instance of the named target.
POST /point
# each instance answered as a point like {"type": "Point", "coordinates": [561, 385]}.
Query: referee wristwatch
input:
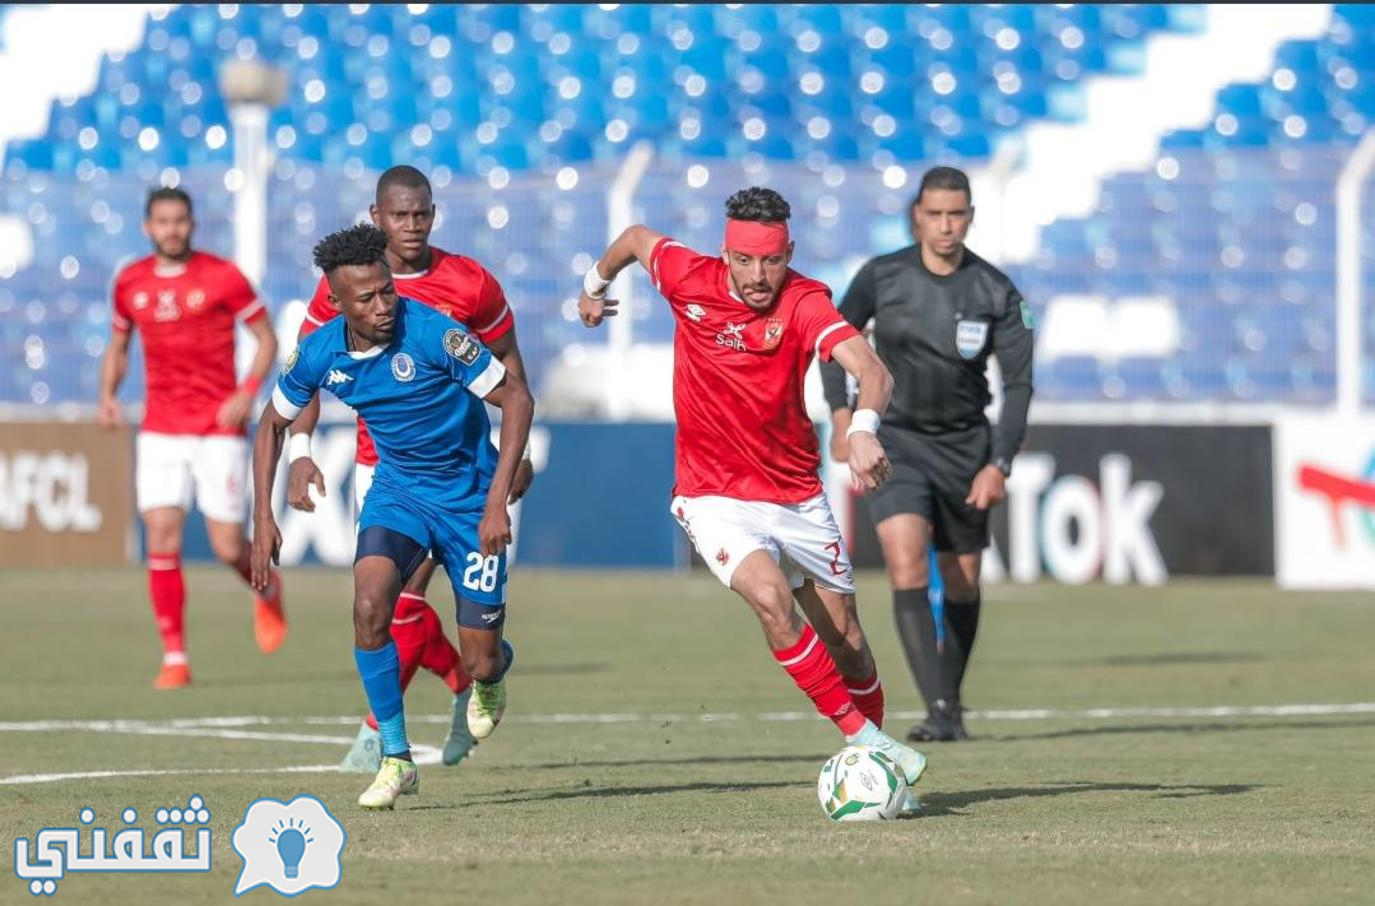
{"type": "Point", "coordinates": [1003, 464]}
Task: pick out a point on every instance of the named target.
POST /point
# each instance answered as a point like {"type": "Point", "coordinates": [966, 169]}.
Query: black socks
{"type": "Point", "coordinates": [939, 672]}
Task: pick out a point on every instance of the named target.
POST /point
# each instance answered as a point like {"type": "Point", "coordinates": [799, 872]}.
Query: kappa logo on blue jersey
{"type": "Point", "coordinates": [402, 367]}
{"type": "Point", "coordinates": [337, 377]}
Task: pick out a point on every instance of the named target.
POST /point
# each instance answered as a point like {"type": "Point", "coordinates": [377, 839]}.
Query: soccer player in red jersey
{"type": "Point", "coordinates": [746, 488]}
{"type": "Point", "coordinates": [464, 290]}
{"type": "Point", "coordinates": [192, 444]}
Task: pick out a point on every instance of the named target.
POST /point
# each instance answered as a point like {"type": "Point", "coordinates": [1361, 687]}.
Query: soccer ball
{"type": "Point", "coordinates": [860, 784]}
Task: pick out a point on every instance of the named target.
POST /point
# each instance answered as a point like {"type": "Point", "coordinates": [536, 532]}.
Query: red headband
{"type": "Point", "coordinates": [754, 238]}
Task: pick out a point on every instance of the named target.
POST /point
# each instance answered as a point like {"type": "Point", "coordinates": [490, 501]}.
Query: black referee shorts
{"type": "Point", "coordinates": [931, 478]}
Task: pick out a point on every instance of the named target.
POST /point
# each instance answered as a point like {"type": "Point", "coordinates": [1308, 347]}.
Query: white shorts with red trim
{"type": "Point", "coordinates": [802, 538]}
{"type": "Point", "coordinates": [362, 480]}
{"type": "Point", "coordinates": [175, 469]}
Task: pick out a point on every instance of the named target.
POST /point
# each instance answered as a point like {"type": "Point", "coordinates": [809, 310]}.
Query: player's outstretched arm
{"type": "Point", "coordinates": [507, 352]}
{"type": "Point", "coordinates": [238, 408]}
{"type": "Point", "coordinates": [517, 406]}
{"type": "Point", "coordinates": [636, 243]}
{"type": "Point", "coordinates": [869, 466]}
{"type": "Point", "coordinates": [267, 449]}
{"type": "Point", "coordinates": [112, 370]}
{"type": "Point", "coordinates": [303, 472]}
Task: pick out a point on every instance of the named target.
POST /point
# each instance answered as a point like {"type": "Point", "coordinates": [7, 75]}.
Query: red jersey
{"type": "Point", "coordinates": [458, 286]}
{"type": "Point", "coordinates": [738, 376]}
{"type": "Point", "coordinates": [186, 316]}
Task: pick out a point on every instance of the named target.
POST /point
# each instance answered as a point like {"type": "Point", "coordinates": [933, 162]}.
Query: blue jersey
{"type": "Point", "coordinates": [421, 396]}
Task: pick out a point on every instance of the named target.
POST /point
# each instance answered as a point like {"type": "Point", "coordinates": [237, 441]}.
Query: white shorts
{"type": "Point", "coordinates": [802, 538]}
{"type": "Point", "coordinates": [362, 480]}
{"type": "Point", "coordinates": [174, 469]}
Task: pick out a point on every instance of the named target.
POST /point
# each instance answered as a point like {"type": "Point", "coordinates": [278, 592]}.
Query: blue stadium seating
{"type": "Point", "coordinates": [493, 100]}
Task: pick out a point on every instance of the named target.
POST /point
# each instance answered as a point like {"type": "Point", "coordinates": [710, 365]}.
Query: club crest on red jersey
{"type": "Point", "coordinates": [195, 299]}
{"type": "Point", "coordinates": [773, 333]}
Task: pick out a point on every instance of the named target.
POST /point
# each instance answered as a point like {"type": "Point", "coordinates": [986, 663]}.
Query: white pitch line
{"type": "Point", "coordinates": [229, 728]}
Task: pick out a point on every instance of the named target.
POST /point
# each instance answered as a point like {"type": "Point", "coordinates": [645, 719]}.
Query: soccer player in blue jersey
{"type": "Point", "coordinates": [419, 380]}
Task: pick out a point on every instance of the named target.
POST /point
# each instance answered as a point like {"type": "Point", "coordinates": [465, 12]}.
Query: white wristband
{"type": "Point", "coordinates": [594, 284]}
{"type": "Point", "coordinates": [865, 420]}
{"type": "Point", "coordinates": [298, 447]}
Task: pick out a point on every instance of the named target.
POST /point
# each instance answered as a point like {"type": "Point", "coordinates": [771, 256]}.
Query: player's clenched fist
{"type": "Point", "coordinates": [869, 466]}
{"type": "Point", "coordinates": [593, 311]}
{"type": "Point", "coordinates": [267, 542]}
{"type": "Point", "coordinates": [107, 414]}
{"type": "Point", "coordinates": [300, 476]}
{"type": "Point", "coordinates": [494, 531]}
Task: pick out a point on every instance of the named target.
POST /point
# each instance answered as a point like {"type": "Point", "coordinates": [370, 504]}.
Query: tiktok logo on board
{"type": "Point", "coordinates": [291, 847]}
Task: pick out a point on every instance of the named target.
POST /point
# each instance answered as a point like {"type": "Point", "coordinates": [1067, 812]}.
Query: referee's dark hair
{"type": "Point", "coordinates": [944, 178]}
{"type": "Point", "coordinates": [362, 244]}
{"type": "Point", "coordinates": [758, 204]}
{"type": "Point", "coordinates": [166, 193]}
{"type": "Point", "coordinates": [407, 177]}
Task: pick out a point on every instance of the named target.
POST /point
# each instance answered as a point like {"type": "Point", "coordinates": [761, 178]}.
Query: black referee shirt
{"type": "Point", "coordinates": [935, 335]}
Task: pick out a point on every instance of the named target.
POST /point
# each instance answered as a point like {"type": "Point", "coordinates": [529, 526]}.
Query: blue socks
{"type": "Point", "coordinates": [380, 671]}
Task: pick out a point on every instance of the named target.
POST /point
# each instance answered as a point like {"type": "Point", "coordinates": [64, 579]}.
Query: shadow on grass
{"type": "Point", "coordinates": [561, 669]}
{"type": "Point", "coordinates": [1217, 727]}
{"type": "Point", "coordinates": [601, 792]}
{"type": "Point", "coordinates": [1183, 657]}
{"type": "Point", "coordinates": [936, 803]}
{"type": "Point", "coordinates": [249, 680]}
{"type": "Point", "coordinates": [792, 757]}
{"type": "Point", "coordinates": [1163, 659]}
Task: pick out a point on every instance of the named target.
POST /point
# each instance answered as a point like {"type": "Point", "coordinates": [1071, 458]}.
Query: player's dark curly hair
{"type": "Point", "coordinates": [758, 204]}
{"type": "Point", "coordinates": [360, 244]}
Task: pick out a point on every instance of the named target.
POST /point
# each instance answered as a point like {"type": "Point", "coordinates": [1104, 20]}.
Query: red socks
{"type": "Point", "coordinates": [812, 668]}
{"type": "Point", "coordinates": [420, 642]}
{"type": "Point", "coordinates": [868, 697]}
{"type": "Point", "coordinates": [167, 590]}
{"type": "Point", "coordinates": [440, 657]}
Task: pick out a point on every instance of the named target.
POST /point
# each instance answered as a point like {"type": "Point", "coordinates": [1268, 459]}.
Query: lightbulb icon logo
{"type": "Point", "coordinates": [291, 845]}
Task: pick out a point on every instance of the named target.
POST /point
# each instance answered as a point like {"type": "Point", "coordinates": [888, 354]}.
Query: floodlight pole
{"type": "Point", "coordinates": [251, 88]}
{"type": "Point", "coordinates": [1350, 186]}
{"type": "Point", "coordinates": [620, 214]}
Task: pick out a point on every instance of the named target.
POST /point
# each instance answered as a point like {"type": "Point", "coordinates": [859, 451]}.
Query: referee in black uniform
{"type": "Point", "coordinates": [939, 312]}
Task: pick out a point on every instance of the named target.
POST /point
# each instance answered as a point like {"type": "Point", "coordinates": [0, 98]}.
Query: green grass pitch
{"type": "Point", "coordinates": [700, 785]}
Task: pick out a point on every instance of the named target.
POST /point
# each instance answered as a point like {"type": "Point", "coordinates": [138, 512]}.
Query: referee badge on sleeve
{"type": "Point", "coordinates": [970, 337]}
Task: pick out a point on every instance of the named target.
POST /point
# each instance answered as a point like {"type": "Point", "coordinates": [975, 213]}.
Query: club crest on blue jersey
{"type": "Point", "coordinates": [970, 337]}
{"type": "Point", "coordinates": [402, 367]}
{"type": "Point", "coordinates": [459, 345]}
